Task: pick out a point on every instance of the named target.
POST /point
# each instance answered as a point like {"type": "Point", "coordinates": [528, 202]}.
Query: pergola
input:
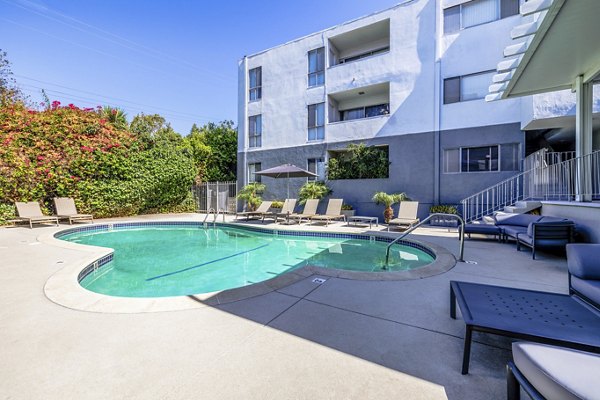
{"type": "Point", "coordinates": [558, 48]}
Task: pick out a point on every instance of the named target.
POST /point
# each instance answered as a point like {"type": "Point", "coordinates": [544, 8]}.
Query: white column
{"type": "Point", "coordinates": [583, 138]}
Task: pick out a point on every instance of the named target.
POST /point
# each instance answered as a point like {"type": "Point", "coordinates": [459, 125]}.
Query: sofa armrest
{"type": "Point", "coordinates": [583, 260]}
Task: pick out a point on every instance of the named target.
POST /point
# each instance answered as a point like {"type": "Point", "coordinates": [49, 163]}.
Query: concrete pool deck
{"type": "Point", "coordinates": [341, 339]}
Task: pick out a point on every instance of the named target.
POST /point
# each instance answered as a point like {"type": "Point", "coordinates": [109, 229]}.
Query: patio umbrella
{"type": "Point", "coordinates": [286, 171]}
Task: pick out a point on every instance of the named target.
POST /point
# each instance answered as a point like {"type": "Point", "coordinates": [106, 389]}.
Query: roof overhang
{"type": "Point", "coordinates": [559, 43]}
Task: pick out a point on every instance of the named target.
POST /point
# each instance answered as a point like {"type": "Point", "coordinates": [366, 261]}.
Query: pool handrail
{"type": "Point", "coordinates": [461, 233]}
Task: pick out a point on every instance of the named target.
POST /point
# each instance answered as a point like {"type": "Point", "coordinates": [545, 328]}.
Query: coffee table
{"type": "Point", "coordinates": [364, 220]}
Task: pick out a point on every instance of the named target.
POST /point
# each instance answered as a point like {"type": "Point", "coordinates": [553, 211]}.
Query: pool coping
{"type": "Point", "coordinates": [63, 287]}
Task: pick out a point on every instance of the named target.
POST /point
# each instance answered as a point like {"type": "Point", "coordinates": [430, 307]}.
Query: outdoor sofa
{"type": "Point", "coordinates": [571, 320]}
{"type": "Point", "coordinates": [528, 230]}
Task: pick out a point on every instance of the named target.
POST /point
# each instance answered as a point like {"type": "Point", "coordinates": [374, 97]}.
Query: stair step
{"type": "Point", "coordinates": [521, 207]}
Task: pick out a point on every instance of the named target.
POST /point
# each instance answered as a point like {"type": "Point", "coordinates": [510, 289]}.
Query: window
{"type": "Point", "coordinates": [252, 170]}
{"type": "Point", "coordinates": [316, 121]}
{"type": "Point", "coordinates": [255, 78]}
{"type": "Point", "coordinates": [482, 159]}
{"type": "Point", "coordinates": [365, 112]}
{"type": "Point", "coordinates": [316, 166]}
{"type": "Point", "coordinates": [316, 67]}
{"type": "Point", "coordinates": [255, 131]}
{"type": "Point", "coordinates": [467, 87]}
{"type": "Point", "coordinates": [478, 12]}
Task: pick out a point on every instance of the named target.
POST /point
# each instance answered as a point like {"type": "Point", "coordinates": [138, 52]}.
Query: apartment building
{"type": "Point", "coordinates": [411, 81]}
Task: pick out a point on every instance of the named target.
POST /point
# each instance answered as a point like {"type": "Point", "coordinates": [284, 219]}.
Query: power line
{"type": "Point", "coordinates": [130, 109]}
{"type": "Point", "coordinates": [115, 98]}
{"type": "Point", "coordinates": [140, 48]}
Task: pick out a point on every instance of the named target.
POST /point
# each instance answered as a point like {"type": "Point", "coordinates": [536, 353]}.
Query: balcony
{"type": "Point", "coordinates": [360, 43]}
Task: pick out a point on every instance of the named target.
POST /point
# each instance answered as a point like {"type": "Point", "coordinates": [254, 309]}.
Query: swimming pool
{"type": "Point", "coordinates": [154, 260]}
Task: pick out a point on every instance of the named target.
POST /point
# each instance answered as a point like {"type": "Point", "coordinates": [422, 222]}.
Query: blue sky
{"type": "Point", "coordinates": [176, 58]}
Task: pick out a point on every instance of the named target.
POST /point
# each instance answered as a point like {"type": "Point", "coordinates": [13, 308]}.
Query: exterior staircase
{"type": "Point", "coordinates": [522, 207]}
{"type": "Point", "coordinates": [551, 176]}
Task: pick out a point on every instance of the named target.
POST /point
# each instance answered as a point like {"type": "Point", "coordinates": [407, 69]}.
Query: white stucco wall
{"type": "Point", "coordinates": [477, 49]}
{"type": "Point", "coordinates": [552, 105]}
{"type": "Point", "coordinates": [409, 66]}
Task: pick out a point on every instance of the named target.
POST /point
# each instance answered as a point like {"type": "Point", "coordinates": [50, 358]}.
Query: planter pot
{"type": "Point", "coordinates": [274, 210]}
{"type": "Point", "coordinates": [348, 213]}
{"type": "Point", "coordinates": [443, 221]}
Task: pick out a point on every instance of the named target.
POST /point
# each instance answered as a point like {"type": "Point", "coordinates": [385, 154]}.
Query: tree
{"type": "Point", "coordinates": [9, 92]}
{"type": "Point", "coordinates": [153, 129]}
{"type": "Point", "coordinates": [388, 200]}
{"type": "Point", "coordinates": [313, 190]}
{"type": "Point", "coordinates": [214, 147]}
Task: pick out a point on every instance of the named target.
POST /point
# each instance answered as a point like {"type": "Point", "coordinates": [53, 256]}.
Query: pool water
{"type": "Point", "coordinates": [175, 261]}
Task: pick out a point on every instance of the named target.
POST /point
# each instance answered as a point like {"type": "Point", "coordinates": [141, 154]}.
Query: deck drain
{"type": "Point", "coordinates": [471, 262]}
{"type": "Point", "coordinates": [319, 280]}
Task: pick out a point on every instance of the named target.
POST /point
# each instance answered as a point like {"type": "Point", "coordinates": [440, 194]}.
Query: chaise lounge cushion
{"type": "Point", "coordinates": [558, 373]}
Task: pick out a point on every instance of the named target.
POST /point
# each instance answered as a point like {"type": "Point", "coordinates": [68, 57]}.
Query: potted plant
{"type": "Point", "coordinates": [313, 190]}
{"type": "Point", "coordinates": [347, 210]}
{"type": "Point", "coordinates": [276, 206]}
{"type": "Point", "coordinates": [442, 220]}
{"type": "Point", "coordinates": [251, 195]}
{"type": "Point", "coordinates": [388, 200]}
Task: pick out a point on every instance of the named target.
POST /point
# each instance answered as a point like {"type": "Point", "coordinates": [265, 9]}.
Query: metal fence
{"type": "Point", "coordinates": [572, 179]}
{"type": "Point", "coordinates": [215, 195]}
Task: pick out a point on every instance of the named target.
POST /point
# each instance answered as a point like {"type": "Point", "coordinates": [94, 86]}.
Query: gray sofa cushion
{"type": "Point", "coordinates": [485, 229]}
{"type": "Point", "coordinates": [517, 220]}
{"type": "Point", "coordinates": [584, 260]}
{"type": "Point", "coordinates": [559, 373]}
{"type": "Point", "coordinates": [512, 230]}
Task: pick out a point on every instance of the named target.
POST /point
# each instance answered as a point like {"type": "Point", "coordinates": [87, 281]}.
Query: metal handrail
{"type": "Point", "coordinates": [210, 211]}
{"type": "Point", "coordinates": [461, 233]}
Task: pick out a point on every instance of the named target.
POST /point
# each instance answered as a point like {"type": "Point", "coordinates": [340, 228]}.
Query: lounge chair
{"type": "Point", "coordinates": [407, 215]}
{"type": "Point", "coordinates": [333, 212]}
{"type": "Point", "coordinates": [566, 320]}
{"type": "Point", "coordinates": [550, 372]}
{"type": "Point", "coordinates": [260, 211]}
{"type": "Point", "coordinates": [31, 212]}
{"type": "Point", "coordinates": [310, 210]}
{"type": "Point", "coordinates": [286, 209]}
{"type": "Point", "coordinates": [65, 209]}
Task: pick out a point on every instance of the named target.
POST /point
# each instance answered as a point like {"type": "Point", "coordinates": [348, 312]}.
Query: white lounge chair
{"type": "Point", "coordinates": [260, 211]}
{"type": "Point", "coordinates": [31, 212]}
{"type": "Point", "coordinates": [407, 215]}
{"type": "Point", "coordinates": [286, 209]}
{"type": "Point", "coordinates": [310, 210]}
{"type": "Point", "coordinates": [66, 209]}
{"type": "Point", "coordinates": [333, 212]}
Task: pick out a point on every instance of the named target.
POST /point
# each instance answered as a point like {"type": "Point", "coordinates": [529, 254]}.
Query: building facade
{"type": "Point", "coordinates": [410, 80]}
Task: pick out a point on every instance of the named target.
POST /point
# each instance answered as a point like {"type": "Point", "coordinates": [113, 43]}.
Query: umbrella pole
{"type": "Point", "coordinates": [288, 185]}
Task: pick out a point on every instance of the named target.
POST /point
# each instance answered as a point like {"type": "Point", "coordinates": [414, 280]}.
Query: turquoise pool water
{"type": "Point", "coordinates": [182, 260]}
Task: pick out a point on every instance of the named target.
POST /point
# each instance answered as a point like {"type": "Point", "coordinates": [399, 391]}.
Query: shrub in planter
{"type": "Point", "coordinates": [442, 220]}
{"type": "Point", "coordinates": [347, 210]}
{"type": "Point", "coordinates": [251, 194]}
{"type": "Point", "coordinates": [313, 190]}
